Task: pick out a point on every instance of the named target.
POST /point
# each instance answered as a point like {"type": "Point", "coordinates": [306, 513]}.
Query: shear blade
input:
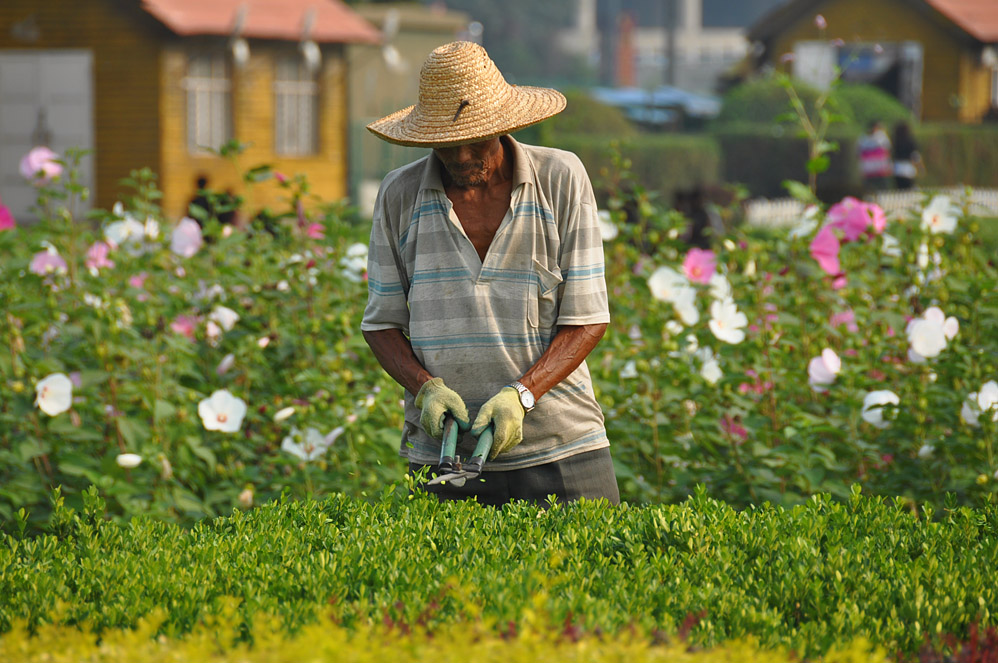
{"type": "Point", "coordinates": [456, 478]}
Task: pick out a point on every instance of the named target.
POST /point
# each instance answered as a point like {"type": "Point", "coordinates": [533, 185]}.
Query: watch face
{"type": "Point", "coordinates": [526, 399]}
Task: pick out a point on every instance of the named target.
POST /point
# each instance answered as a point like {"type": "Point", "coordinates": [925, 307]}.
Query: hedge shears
{"type": "Point", "coordinates": [451, 469]}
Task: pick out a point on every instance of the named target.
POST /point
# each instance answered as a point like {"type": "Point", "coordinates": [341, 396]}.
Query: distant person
{"type": "Point", "coordinates": [227, 208]}
{"type": "Point", "coordinates": [704, 222]}
{"type": "Point", "coordinates": [200, 201]}
{"type": "Point", "coordinates": [875, 158]}
{"type": "Point", "coordinates": [907, 160]}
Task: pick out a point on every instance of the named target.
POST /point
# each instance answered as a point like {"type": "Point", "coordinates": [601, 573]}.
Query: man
{"type": "Point", "coordinates": [486, 289]}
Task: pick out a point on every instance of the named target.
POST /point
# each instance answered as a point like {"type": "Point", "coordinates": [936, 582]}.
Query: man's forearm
{"type": "Point", "coordinates": [394, 352]}
{"type": "Point", "coordinates": [567, 351]}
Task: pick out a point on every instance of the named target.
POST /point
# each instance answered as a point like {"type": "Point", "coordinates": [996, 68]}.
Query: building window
{"type": "Point", "coordinates": [209, 102]}
{"type": "Point", "coordinates": [296, 108]}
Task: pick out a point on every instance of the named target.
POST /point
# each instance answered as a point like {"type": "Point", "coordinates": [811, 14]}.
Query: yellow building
{"type": "Point", "coordinates": [157, 82]}
{"type": "Point", "coordinates": [939, 57]}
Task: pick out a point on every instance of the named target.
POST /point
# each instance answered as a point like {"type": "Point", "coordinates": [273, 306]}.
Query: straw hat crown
{"type": "Point", "coordinates": [463, 98]}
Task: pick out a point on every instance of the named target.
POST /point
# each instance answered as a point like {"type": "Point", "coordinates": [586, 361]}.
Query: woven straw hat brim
{"type": "Point", "coordinates": [525, 105]}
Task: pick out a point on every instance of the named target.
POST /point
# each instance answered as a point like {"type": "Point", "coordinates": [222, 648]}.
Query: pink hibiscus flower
{"type": "Point", "coordinates": [850, 216]}
{"type": "Point", "coordinates": [185, 324]}
{"type": "Point", "coordinates": [40, 166]}
{"type": "Point", "coordinates": [699, 265]}
{"type": "Point", "coordinates": [6, 218]}
{"type": "Point", "coordinates": [97, 256]}
{"type": "Point", "coordinates": [315, 231]}
{"type": "Point", "coordinates": [847, 318]}
{"type": "Point", "coordinates": [47, 261]}
{"type": "Point", "coordinates": [733, 428]}
{"type": "Point", "coordinates": [825, 249]}
{"type": "Point", "coordinates": [878, 219]}
{"type": "Point", "coordinates": [138, 280]}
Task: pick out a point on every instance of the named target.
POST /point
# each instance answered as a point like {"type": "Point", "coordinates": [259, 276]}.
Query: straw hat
{"type": "Point", "coordinates": [464, 99]}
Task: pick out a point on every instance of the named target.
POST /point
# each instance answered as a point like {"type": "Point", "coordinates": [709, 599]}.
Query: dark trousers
{"type": "Point", "coordinates": [588, 475]}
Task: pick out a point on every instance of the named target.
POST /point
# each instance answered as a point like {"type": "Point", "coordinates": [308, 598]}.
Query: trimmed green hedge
{"type": "Point", "coordinates": [804, 578]}
{"type": "Point", "coordinates": [867, 103]}
{"type": "Point", "coordinates": [959, 154]}
{"type": "Point", "coordinates": [218, 641]}
{"type": "Point", "coordinates": [763, 156]}
{"type": "Point", "coordinates": [663, 163]}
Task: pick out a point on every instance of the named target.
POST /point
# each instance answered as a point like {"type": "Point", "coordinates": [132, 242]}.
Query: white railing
{"type": "Point", "coordinates": [784, 212]}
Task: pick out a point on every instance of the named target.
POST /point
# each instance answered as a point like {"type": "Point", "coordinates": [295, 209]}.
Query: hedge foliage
{"type": "Point", "coordinates": [763, 156]}
{"type": "Point", "coordinates": [959, 154]}
{"type": "Point", "coordinates": [325, 642]}
{"type": "Point", "coordinates": [804, 578]}
{"type": "Point", "coordinates": [752, 143]}
{"type": "Point", "coordinates": [664, 163]}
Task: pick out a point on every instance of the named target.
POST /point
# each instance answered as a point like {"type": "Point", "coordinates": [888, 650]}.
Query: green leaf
{"type": "Point", "coordinates": [163, 410]}
{"type": "Point", "coordinates": [134, 431]}
{"type": "Point", "coordinates": [201, 451]}
{"type": "Point", "coordinates": [800, 191]}
{"type": "Point", "coordinates": [818, 164]}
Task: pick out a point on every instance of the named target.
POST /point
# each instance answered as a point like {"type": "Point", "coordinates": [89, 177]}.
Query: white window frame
{"type": "Point", "coordinates": [209, 101]}
{"type": "Point", "coordinates": [296, 107]}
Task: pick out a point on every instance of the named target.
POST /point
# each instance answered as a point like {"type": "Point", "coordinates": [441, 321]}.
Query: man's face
{"type": "Point", "coordinates": [472, 164]}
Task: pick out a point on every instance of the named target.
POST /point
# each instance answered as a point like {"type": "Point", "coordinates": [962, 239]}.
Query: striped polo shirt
{"type": "Point", "coordinates": [481, 325]}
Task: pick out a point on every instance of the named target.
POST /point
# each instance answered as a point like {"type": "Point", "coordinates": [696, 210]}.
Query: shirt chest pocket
{"type": "Point", "coordinates": [542, 305]}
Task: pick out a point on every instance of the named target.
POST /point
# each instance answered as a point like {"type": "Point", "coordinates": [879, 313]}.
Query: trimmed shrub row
{"type": "Point", "coordinates": [219, 641]}
{"type": "Point", "coordinates": [762, 156]}
{"type": "Point", "coordinates": [805, 578]}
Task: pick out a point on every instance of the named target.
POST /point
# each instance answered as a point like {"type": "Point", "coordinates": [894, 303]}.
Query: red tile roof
{"type": "Point", "coordinates": [979, 18]}
{"type": "Point", "coordinates": [264, 19]}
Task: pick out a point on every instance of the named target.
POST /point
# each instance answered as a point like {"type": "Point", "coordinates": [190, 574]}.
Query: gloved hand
{"type": "Point", "coordinates": [436, 399]}
{"type": "Point", "coordinates": [505, 412]}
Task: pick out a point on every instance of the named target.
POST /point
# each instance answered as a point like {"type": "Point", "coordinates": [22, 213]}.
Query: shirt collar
{"type": "Point", "coordinates": [523, 171]}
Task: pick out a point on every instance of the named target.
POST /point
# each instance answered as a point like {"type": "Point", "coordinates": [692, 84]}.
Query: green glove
{"type": "Point", "coordinates": [505, 412]}
{"type": "Point", "coordinates": [436, 399]}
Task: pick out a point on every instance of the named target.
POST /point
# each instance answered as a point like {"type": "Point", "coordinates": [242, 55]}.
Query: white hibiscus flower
{"type": "Point", "coordinates": [940, 216]}
{"type": "Point", "coordinates": [54, 394]}
{"type": "Point", "coordinates": [307, 446]}
{"type": "Point", "coordinates": [822, 370]}
{"type": "Point", "coordinates": [727, 323]}
{"type": "Point", "coordinates": [222, 411]}
{"type": "Point", "coordinates": [873, 404]}
{"type": "Point", "coordinates": [607, 228]}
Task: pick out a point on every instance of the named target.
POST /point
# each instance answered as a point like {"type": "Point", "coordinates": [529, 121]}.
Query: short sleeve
{"type": "Point", "coordinates": [387, 307]}
{"type": "Point", "coordinates": [583, 296]}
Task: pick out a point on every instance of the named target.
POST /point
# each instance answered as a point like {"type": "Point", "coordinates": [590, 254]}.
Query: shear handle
{"type": "Point", "coordinates": [449, 448]}
{"type": "Point", "coordinates": [482, 449]}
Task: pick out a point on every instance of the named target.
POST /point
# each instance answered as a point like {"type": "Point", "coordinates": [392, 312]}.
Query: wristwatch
{"type": "Point", "coordinates": [526, 396]}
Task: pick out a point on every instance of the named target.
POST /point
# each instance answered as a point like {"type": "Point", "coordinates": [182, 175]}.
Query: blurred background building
{"type": "Point", "coordinates": [161, 83]}
{"type": "Point", "coordinates": [164, 84]}
{"type": "Point", "coordinates": [938, 57]}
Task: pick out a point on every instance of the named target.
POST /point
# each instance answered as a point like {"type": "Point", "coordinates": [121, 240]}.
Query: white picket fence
{"type": "Point", "coordinates": [785, 212]}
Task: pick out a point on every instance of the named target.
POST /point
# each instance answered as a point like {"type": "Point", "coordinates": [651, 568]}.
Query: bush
{"type": "Point", "coordinates": [583, 115]}
{"type": "Point", "coordinates": [868, 103]}
{"type": "Point", "coordinates": [807, 578]}
{"type": "Point", "coordinates": [217, 641]}
{"type": "Point", "coordinates": [764, 101]}
{"type": "Point", "coordinates": [145, 341]}
{"type": "Point", "coordinates": [762, 157]}
{"type": "Point", "coordinates": [662, 163]}
{"type": "Point", "coordinates": [958, 154]}
{"type": "Point", "coordinates": [270, 317]}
